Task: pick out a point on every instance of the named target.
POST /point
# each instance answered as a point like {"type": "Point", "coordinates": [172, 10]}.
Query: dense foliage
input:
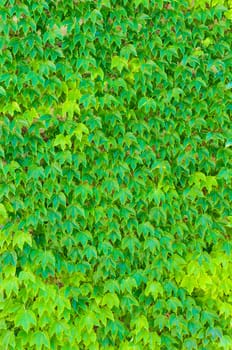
{"type": "Point", "coordinates": [205, 4]}
{"type": "Point", "coordinates": [115, 175]}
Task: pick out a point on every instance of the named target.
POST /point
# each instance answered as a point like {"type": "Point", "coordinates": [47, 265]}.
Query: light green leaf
{"type": "Point", "coordinates": [110, 299]}
{"type": "Point", "coordinates": [154, 288]}
{"type": "Point", "coordinates": [25, 319]}
{"type": "Point", "coordinates": [7, 339]}
{"type": "Point", "coordinates": [63, 141]}
{"type": "Point", "coordinates": [40, 339]}
{"type": "Point", "coordinates": [2, 91]}
{"type": "Point", "coordinates": [20, 238]}
{"type": "Point", "coordinates": [3, 214]}
{"type": "Point", "coordinates": [119, 63]}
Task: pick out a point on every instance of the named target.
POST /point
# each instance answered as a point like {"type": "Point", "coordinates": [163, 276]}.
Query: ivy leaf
{"type": "Point", "coordinates": [35, 172]}
{"type": "Point", "coordinates": [88, 100]}
{"type": "Point", "coordinates": [2, 91]}
{"type": "Point", "coordinates": [226, 342]}
{"type": "Point", "coordinates": [142, 102]}
{"type": "Point", "coordinates": [80, 130]}
{"type": "Point", "coordinates": [145, 228]}
{"type": "Point", "coordinates": [111, 300]}
{"type": "Point", "coordinates": [97, 72]}
{"type": "Point", "coordinates": [8, 339]}
{"type": "Point", "coordinates": [63, 141]}
{"type": "Point", "coordinates": [119, 63]}
{"type": "Point", "coordinates": [190, 343]}
{"type": "Point", "coordinates": [211, 181]}
{"type": "Point", "coordinates": [173, 303]}
{"type": "Point", "coordinates": [3, 214]}
{"type": "Point", "coordinates": [25, 319]}
{"type": "Point", "coordinates": [10, 285]}
{"type": "Point", "coordinates": [189, 282]}
{"type": "Point", "coordinates": [154, 288]}
{"type": "Point", "coordinates": [20, 238]}
{"type": "Point", "coordinates": [128, 284]}
{"type": "Point", "coordinates": [40, 339]}
{"type": "Point", "coordinates": [147, 104]}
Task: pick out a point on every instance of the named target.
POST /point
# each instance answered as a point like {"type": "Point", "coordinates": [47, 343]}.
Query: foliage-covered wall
{"type": "Point", "coordinates": [115, 175]}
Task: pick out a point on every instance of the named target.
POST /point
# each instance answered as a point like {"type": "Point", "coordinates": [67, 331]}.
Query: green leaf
{"type": "Point", "coordinates": [10, 285]}
{"type": "Point", "coordinates": [62, 141]}
{"type": "Point", "coordinates": [154, 288]}
{"type": "Point", "coordinates": [189, 282]}
{"type": "Point", "coordinates": [147, 103]}
{"type": "Point", "coordinates": [190, 344]}
{"type": "Point", "coordinates": [228, 143]}
{"type": "Point", "coordinates": [80, 130]}
{"type": "Point", "coordinates": [2, 91]}
{"type": "Point", "coordinates": [3, 214]}
{"type": "Point", "coordinates": [40, 339]}
{"type": "Point", "coordinates": [145, 229]}
{"type": "Point", "coordinates": [142, 102]}
{"type": "Point", "coordinates": [119, 63]}
{"type": "Point", "coordinates": [111, 300]}
{"type": "Point", "coordinates": [141, 323]}
{"type": "Point", "coordinates": [226, 342]}
{"type": "Point", "coordinates": [20, 238]}
{"type": "Point", "coordinates": [7, 339]}
{"type": "Point", "coordinates": [25, 319]}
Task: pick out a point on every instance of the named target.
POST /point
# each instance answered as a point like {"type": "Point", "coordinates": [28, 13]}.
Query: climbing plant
{"type": "Point", "coordinates": [115, 175]}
